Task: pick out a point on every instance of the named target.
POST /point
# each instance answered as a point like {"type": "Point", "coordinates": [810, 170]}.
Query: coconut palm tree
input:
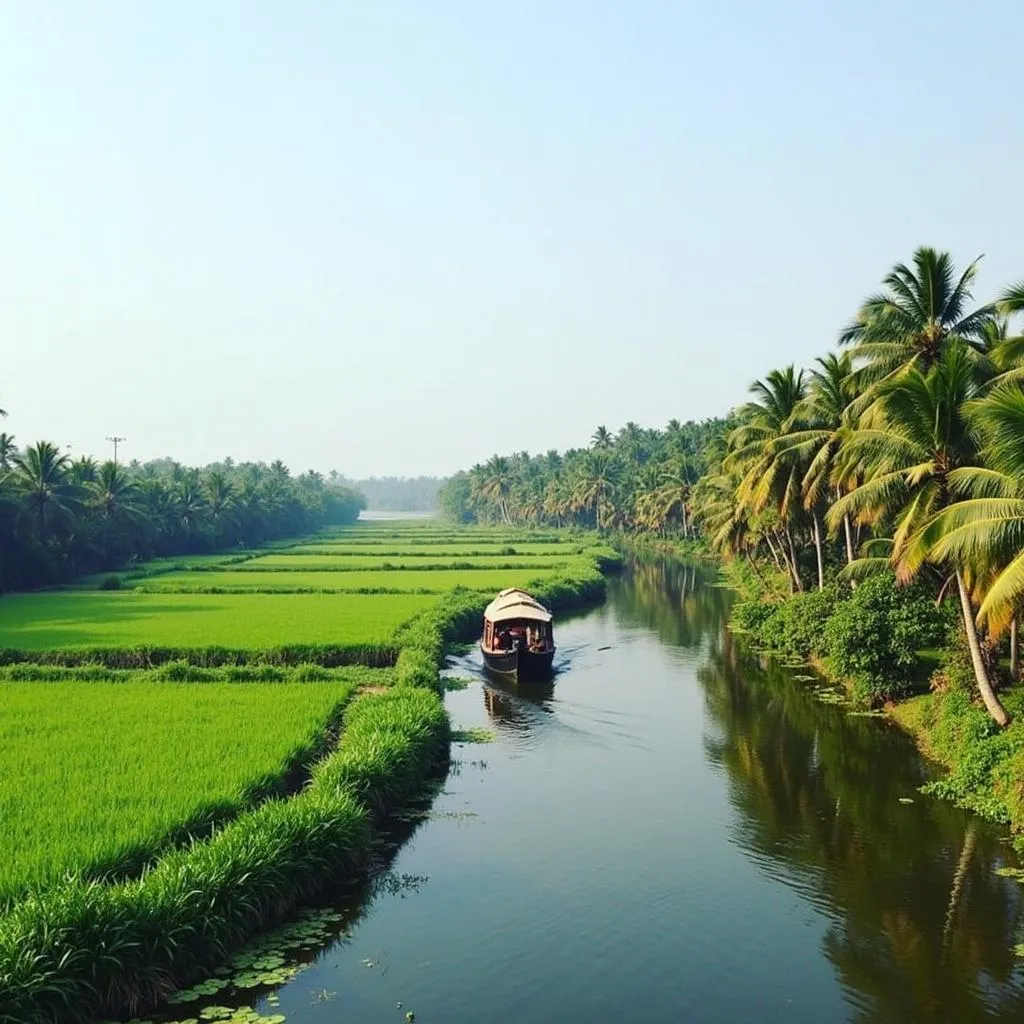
{"type": "Point", "coordinates": [594, 488]}
{"type": "Point", "coordinates": [602, 440]}
{"type": "Point", "coordinates": [221, 499]}
{"type": "Point", "coordinates": [910, 323]}
{"type": "Point", "coordinates": [985, 529]}
{"type": "Point", "coordinates": [917, 437]}
{"type": "Point", "coordinates": [42, 476]}
{"type": "Point", "coordinates": [771, 472]}
{"type": "Point", "coordinates": [8, 450]}
{"type": "Point", "coordinates": [83, 470]}
{"type": "Point", "coordinates": [496, 484]}
{"type": "Point", "coordinates": [816, 441]}
{"type": "Point", "coordinates": [114, 495]}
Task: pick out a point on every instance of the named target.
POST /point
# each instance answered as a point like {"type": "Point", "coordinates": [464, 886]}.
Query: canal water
{"type": "Point", "coordinates": [675, 831]}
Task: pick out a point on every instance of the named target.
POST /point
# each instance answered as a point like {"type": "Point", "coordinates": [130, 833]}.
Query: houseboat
{"type": "Point", "coordinates": [518, 640]}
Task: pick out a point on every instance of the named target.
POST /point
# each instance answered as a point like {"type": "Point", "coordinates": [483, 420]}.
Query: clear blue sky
{"type": "Point", "coordinates": [396, 237]}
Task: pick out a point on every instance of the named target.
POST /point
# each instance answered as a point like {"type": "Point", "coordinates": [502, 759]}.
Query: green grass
{"type": "Point", "coordinates": [286, 560]}
{"type": "Point", "coordinates": [82, 619]}
{"type": "Point", "coordinates": [102, 773]}
{"type": "Point", "coordinates": [437, 552]}
{"type": "Point", "coordinates": [423, 581]}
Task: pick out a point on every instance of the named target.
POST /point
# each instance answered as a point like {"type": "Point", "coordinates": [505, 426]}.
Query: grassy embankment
{"type": "Point", "coordinates": [892, 648]}
{"type": "Point", "coordinates": [150, 880]}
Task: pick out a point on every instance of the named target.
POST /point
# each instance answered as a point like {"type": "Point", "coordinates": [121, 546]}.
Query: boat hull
{"type": "Point", "coordinates": [519, 664]}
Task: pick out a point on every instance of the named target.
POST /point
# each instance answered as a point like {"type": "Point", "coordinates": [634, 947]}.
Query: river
{"type": "Point", "coordinates": [674, 831]}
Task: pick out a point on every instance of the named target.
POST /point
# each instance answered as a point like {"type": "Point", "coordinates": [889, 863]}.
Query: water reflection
{"type": "Point", "coordinates": [682, 603]}
{"type": "Point", "coordinates": [514, 705]}
{"type": "Point", "coordinates": [923, 927]}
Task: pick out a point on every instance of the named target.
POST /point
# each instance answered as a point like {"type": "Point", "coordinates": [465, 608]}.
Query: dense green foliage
{"type": "Point", "coordinates": [876, 635]}
{"type": "Point", "coordinates": [636, 480]}
{"type": "Point", "coordinates": [61, 518]}
{"type": "Point", "coordinates": [905, 452]}
{"type": "Point", "coordinates": [871, 636]}
{"type": "Point", "coordinates": [986, 763]}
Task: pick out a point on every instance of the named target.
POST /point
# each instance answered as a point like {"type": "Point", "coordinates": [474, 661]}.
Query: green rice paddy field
{"type": "Point", "coordinates": [410, 580]}
{"type": "Point", "coordinates": [96, 774]}
{"type": "Point", "coordinates": [84, 618]}
{"type": "Point", "coordinates": [101, 773]}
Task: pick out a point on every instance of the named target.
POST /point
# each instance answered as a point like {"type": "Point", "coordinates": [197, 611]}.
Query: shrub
{"type": "Point", "coordinates": [111, 582]}
{"type": "Point", "coordinates": [750, 616]}
{"type": "Point", "coordinates": [874, 637]}
{"type": "Point", "coordinates": [794, 628]}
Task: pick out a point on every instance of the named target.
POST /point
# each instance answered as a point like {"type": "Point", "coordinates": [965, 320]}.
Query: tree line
{"type": "Point", "coordinates": [901, 451]}
{"type": "Point", "coordinates": [62, 517]}
{"type": "Point", "coordinates": [637, 479]}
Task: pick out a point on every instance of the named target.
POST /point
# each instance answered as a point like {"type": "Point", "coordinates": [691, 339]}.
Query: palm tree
{"type": "Point", "coordinates": [42, 476]}
{"type": "Point", "coordinates": [917, 438]}
{"type": "Point", "coordinates": [114, 495]}
{"type": "Point", "coordinates": [190, 501]}
{"type": "Point", "coordinates": [8, 451]}
{"type": "Point", "coordinates": [910, 323]}
{"type": "Point", "coordinates": [602, 440]}
{"type": "Point", "coordinates": [817, 442]}
{"type": "Point", "coordinates": [985, 529]}
{"type": "Point", "coordinates": [83, 470]}
{"type": "Point", "coordinates": [221, 499]}
{"type": "Point", "coordinates": [595, 484]}
{"type": "Point", "coordinates": [113, 491]}
{"type": "Point", "coordinates": [496, 484]}
{"type": "Point", "coordinates": [771, 472]}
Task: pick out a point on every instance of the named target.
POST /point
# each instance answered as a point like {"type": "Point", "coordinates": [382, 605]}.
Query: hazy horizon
{"type": "Point", "coordinates": [395, 239]}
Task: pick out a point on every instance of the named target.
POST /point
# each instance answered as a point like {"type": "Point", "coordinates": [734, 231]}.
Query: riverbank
{"type": "Point", "coordinates": [890, 648]}
{"type": "Point", "coordinates": [183, 916]}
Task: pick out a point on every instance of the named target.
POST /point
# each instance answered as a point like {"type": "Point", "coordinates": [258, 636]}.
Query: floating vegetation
{"type": "Point", "coordinates": [1008, 872]}
{"type": "Point", "coordinates": [475, 734]}
{"type": "Point", "coordinates": [453, 683]}
{"type": "Point", "coordinates": [830, 696]}
{"type": "Point", "coordinates": [271, 959]}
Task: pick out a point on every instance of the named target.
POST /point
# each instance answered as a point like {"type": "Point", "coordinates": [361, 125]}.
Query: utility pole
{"type": "Point", "coordinates": [116, 441]}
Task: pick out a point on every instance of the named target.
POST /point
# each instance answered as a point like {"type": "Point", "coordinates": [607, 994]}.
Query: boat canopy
{"type": "Point", "coordinates": [516, 604]}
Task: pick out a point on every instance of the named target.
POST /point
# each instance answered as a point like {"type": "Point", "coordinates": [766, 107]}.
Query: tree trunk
{"type": "Point", "coordinates": [775, 554]}
{"type": "Point", "coordinates": [793, 562]}
{"type": "Point", "coordinates": [817, 547]}
{"type": "Point", "coordinates": [682, 510]}
{"type": "Point", "coordinates": [988, 694]}
{"type": "Point", "coordinates": [849, 546]}
{"type": "Point", "coordinates": [1014, 651]}
{"type": "Point", "coordinates": [786, 562]}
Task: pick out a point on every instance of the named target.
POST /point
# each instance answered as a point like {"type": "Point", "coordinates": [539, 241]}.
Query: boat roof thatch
{"type": "Point", "coordinates": [514, 603]}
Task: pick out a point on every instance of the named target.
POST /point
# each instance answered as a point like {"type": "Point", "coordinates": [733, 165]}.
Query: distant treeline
{"type": "Point", "coordinates": [399, 493]}
{"type": "Point", "coordinates": [636, 479]}
{"type": "Point", "coordinates": [62, 517]}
